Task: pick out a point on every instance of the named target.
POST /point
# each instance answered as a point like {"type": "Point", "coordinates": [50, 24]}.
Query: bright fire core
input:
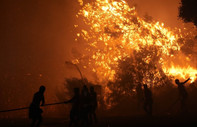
{"type": "Point", "coordinates": [114, 32]}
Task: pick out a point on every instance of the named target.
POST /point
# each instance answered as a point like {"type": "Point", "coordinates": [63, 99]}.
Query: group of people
{"type": "Point", "coordinates": [146, 97]}
{"type": "Point", "coordinates": [84, 104]}
{"type": "Point", "coordinates": [82, 113]}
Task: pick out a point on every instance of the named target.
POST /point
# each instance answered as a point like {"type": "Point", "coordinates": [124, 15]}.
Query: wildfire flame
{"type": "Point", "coordinates": [114, 31]}
{"type": "Point", "coordinates": [182, 72]}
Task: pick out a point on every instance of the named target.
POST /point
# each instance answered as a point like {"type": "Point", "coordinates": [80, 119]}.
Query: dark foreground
{"type": "Point", "coordinates": [140, 121]}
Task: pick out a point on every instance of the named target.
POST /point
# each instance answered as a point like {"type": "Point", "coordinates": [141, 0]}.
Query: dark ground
{"type": "Point", "coordinates": [140, 121]}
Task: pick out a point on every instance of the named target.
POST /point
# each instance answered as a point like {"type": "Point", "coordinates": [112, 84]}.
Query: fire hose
{"type": "Point", "coordinates": [67, 62]}
{"type": "Point", "coordinates": [9, 110]}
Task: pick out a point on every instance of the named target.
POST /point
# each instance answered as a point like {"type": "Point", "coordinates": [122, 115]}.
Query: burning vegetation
{"type": "Point", "coordinates": [123, 49]}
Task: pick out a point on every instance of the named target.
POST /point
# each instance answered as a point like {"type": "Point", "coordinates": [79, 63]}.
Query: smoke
{"type": "Point", "coordinates": [36, 39]}
{"type": "Point", "coordinates": [39, 36]}
{"type": "Point", "coordinates": [165, 11]}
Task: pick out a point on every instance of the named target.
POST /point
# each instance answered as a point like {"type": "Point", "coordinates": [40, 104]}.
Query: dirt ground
{"type": "Point", "coordinates": [113, 121]}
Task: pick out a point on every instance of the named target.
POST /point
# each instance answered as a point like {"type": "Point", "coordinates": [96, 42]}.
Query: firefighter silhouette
{"type": "Point", "coordinates": [84, 106]}
{"type": "Point", "coordinates": [34, 110]}
{"type": "Point", "coordinates": [183, 95]}
{"type": "Point", "coordinates": [148, 100]}
{"type": "Point", "coordinates": [74, 112]}
{"type": "Point", "coordinates": [92, 105]}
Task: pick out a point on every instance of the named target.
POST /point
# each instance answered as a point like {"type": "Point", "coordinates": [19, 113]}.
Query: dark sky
{"type": "Point", "coordinates": [34, 34]}
{"type": "Point", "coordinates": [36, 37]}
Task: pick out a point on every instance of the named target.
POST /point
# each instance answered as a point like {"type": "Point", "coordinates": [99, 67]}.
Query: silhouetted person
{"type": "Point", "coordinates": [93, 105]}
{"type": "Point", "coordinates": [34, 110]}
{"type": "Point", "coordinates": [139, 94]}
{"type": "Point", "coordinates": [85, 106]}
{"type": "Point", "coordinates": [148, 101]}
{"type": "Point", "coordinates": [74, 112]}
{"type": "Point", "coordinates": [182, 94]}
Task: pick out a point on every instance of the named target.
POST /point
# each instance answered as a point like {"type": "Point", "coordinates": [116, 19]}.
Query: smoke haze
{"type": "Point", "coordinates": [37, 37]}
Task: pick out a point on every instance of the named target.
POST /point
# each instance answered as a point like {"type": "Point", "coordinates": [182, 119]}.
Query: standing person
{"type": "Point", "coordinates": [34, 110]}
{"type": "Point", "coordinates": [148, 100]}
{"type": "Point", "coordinates": [74, 112]}
{"type": "Point", "coordinates": [85, 106]}
{"type": "Point", "coordinates": [139, 94]}
{"type": "Point", "coordinates": [93, 105]}
{"type": "Point", "coordinates": [183, 95]}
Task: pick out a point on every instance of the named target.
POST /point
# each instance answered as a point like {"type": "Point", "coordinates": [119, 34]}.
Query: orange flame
{"type": "Point", "coordinates": [182, 72]}
{"type": "Point", "coordinates": [114, 31]}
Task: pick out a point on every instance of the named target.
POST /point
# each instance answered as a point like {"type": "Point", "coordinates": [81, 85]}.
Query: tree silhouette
{"type": "Point", "coordinates": [188, 11]}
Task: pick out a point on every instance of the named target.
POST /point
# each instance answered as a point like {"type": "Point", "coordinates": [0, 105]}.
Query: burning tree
{"type": "Point", "coordinates": [124, 49]}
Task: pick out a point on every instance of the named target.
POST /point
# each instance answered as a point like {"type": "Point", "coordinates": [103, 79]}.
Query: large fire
{"type": "Point", "coordinates": [114, 32]}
